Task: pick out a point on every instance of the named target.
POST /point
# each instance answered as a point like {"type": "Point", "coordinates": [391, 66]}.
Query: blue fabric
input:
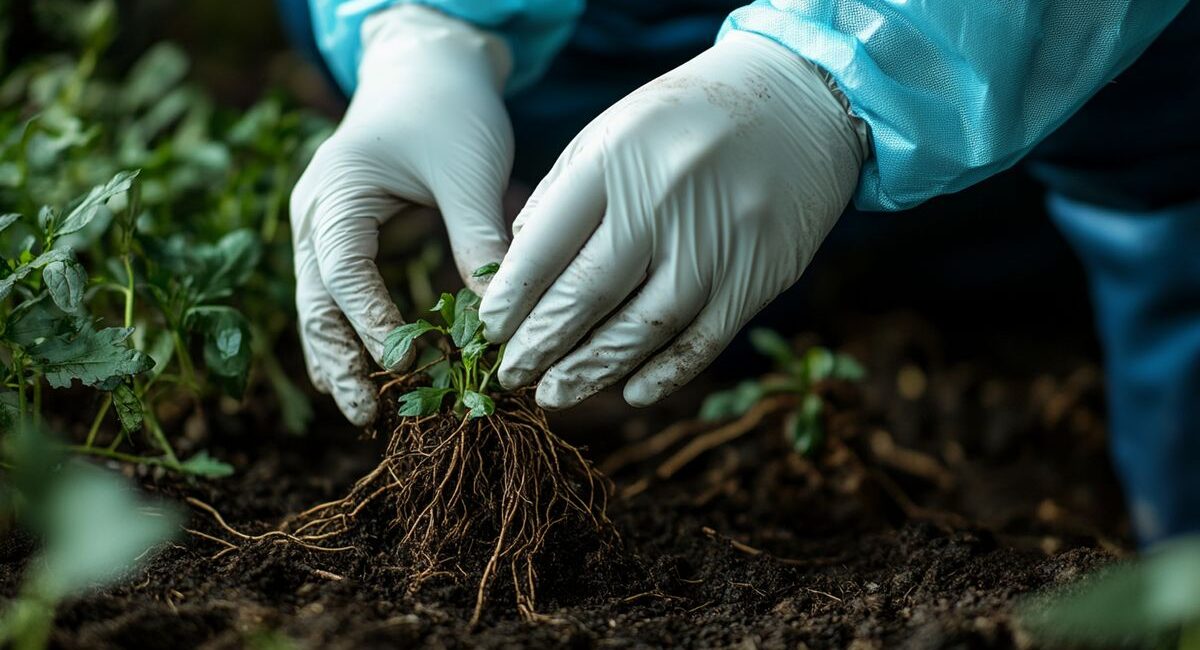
{"type": "Point", "coordinates": [1144, 271]}
{"type": "Point", "coordinates": [534, 29]}
{"type": "Point", "coordinates": [957, 91]}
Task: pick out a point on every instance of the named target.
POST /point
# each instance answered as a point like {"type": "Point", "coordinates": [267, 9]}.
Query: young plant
{"type": "Point", "coordinates": [797, 374]}
{"type": "Point", "coordinates": [1153, 602]}
{"type": "Point", "coordinates": [481, 490]}
{"type": "Point", "coordinates": [463, 364]}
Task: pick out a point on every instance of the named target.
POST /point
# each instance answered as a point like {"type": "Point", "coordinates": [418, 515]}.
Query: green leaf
{"type": "Point", "coordinates": [201, 464]}
{"type": "Point", "coordinates": [9, 219]}
{"type": "Point", "coordinates": [732, 403]}
{"type": "Point", "coordinates": [66, 282]}
{"type": "Point", "coordinates": [47, 217]}
{"type": "Point", "coordinates": [95, 528]}
{"type": "Point", "coordinates": [818, 364]}
{"type": "Point", "coordinates": [226, 343]}
{"type": "Point", "coordinates": [83, 213]}
{"type": "Point", "coordinates": [847, 368]}
{"type": "Point", "coordinates": [717, 406]}
{"type": "Point", "coordinates": [445, 306]}
{"type": "Point", "coordinates": [479, 405]}
{"type": "Point", "coordinates": [439, 373]}
{"type": "Point", "coordinates": [39, 319]}
{"type": "Point", "coordinates": [422, 401]}
{"type": "Point", "coordinates": [162, 67]}
{"type": "Point", "coordinates": [52, 256]}
{"type": "Point", "coordinates": [10, 281]}
{"type": "Point", "coordinates": [1135, 601]}
{"type": "Point", "coordinates": [96, 358]}
{"type": "Point", "coordinates": [486, 270]}
{"type": "Point", "coordinates": [472, 351]}
{"type": "Point", "coordinates": [233, 260]}
{"type": "Point", "coordinates": [770, 344]}
{"type": "Point", "coordinates": [128, 407]}
{"type": "Point", "coordinates": [400, 341]}
{"type": "Point", "coordinates": [806, 430]}
{"type": "Point", "coordinates": [466, 318]}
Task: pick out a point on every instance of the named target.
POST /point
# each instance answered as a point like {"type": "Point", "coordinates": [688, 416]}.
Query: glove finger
{"type": "Point", "coordinates": [663, 307]}
{"type": "Point", "coordinates": [690, 353]}
{"type": "Point", "coordinates": [313, 302]}
{"type": "Point", "coordinates": [345, 248]}
{"type": "Point", "coordinates": [607, 270]}
{"type": "Point", "coordinates": [562, 221]}
{"type": "Point", "coordinates": [475, 224]}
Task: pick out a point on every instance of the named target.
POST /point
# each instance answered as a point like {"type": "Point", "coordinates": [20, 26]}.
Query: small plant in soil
{"type": "Point", "coordinates": [473, 487]}
{"type": "Point", "coordinates": [796, 374]}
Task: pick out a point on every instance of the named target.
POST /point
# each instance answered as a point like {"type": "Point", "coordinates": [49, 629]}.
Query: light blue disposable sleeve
{"type": "Point", "coordinates": [957, 90]}
{"type": "Point", "coordinates": [535, 31]}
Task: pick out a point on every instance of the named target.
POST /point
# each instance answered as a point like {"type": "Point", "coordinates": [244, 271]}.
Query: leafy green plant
{"type": "Point", "coordinates": [462, 365]}
{"type": "Point", "coordinates": [797, 374]}
{"type": "Point", "coordinates": [143, 240]}
{"type": "Point", "coordinates": [1153, 602]}
{"type": "Point", "coordinates": [90, 524]}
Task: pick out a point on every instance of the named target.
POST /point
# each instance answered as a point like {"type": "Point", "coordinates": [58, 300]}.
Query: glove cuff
{"type": "Point", "coordinates": [416, 35]}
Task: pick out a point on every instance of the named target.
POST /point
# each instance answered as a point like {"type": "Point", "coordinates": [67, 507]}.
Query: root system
{"type": "Point", "coordinates": [481, 499]}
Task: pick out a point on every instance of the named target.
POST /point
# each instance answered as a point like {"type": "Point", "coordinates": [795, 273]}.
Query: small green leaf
{"type": "Point", "coordinates": [10, 281]}
{"type": "Point", "coordinates": [806, 431]}
{"type": "Point", "coordinates": [770, 344]}
{"type": "Point", "coordinates": [479, 405]}
{"type": "Point", "coordinates": [129, 408]}
{"type": "Point", "coordinates": [201, 464]}
{"type": "Point", "coordinates": [717, 406]}
{"type": "Point", "coordinates": [486, 270]}
{"type": "Point", "coordinates": [160, 69]}
{"type": "Point", "coordinates": [66, 282]}
{"type": "Point", "coordinates": [732, 403]}
{"type": "Point", "coordinates": [9, 219]}
{"type": "Point", "coordinates": [439, 373]}
{"type": "Point", "coordinates": [445, 306]}
{"type": "Point", "coordinates": [422, 401]}
{"type": "Point", "coordinates": [472, 351]}
{"type": "Point", "coordinates": [83, 213]}
{"type": "Point", "coordinates": [466, 318]}
{"type": "Point", "coordinates": [818, 364]}
{"type": "Point", "coordinates": [400, 341]}
{"type": "Point", "coordinates": [847, 368]}
{"type": "Point", "coordinates": [52, 256]}
{"type": "Point", "coordinates": [47, 217]}
{"type": "Point", "coordinates": [226, 343]}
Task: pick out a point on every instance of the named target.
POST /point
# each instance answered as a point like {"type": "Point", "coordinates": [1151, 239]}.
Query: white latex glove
{"type": "Point", "coordinates": [670, 221]}
{"type": "Point", "coordinates": [426, 127]}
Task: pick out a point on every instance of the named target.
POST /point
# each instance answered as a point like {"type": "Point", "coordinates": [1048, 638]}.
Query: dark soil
{"type": "Point", "coordinates": [950, 488]}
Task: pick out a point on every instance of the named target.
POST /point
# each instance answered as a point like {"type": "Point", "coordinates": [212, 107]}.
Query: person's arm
{"type": "Point", "coordinates": [955, 92]}
{"type": "Point", "coordinates": [534, 30]}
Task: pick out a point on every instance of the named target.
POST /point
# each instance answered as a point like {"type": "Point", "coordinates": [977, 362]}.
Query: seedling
{"type": "Point", "coordinates": [475, 487]}
{"type": "Point", "coordinates": [797, 374]}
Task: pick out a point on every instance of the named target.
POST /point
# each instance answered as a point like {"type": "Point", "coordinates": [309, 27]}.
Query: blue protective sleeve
{"type": "Point", "coordinates": [535, 30]}
{"type": "Point", "coordinates": [957, 90]}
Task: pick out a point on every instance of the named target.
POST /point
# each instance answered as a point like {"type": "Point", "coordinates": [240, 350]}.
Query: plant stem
{"type": "Point", "coordinates": [19, 365]}
{"type": "Point", "coordinates": [186, 370]}
{"type": "Point", "coordinates": [129, 294]}
{"type": "Point", "coordinates": [160, 438]}
{"type": "Point", "coordinates": [123, 457]}
{"type": "Point", "coordinates": [95, 428]}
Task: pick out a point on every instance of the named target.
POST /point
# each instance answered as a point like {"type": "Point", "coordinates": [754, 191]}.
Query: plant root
{"type": "Point", "coordinates": [470, 497]}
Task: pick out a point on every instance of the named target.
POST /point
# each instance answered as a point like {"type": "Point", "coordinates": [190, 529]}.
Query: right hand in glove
{"type": "Point", "coordinates": [426, 127]}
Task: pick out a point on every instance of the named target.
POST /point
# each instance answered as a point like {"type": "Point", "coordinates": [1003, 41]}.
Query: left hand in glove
{"type": "Point", "coordinates": [670, 221]}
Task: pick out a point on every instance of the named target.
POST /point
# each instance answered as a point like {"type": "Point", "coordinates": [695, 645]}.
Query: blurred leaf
{"type": "Point", "coordinates": [8, 220]}
{"type": "Point", "coordinates": [805, 430]}
{"type": "Point", "coordinates": [201, 464]}
{"type": "Point", "coordinates": [732, 403]}
{"type": "Point", "coordinates": [847, 368]}
{"type": "Point", "coordinates": [818, 364]}
{"type": "Point", "coordinates": [158, 71]}
{"type": "Point", "coordinates": [226, 343]}
{"type": "Point", "coordinates": [770, 344]}
{"type": "Point", "coordinates": [1137, 601]}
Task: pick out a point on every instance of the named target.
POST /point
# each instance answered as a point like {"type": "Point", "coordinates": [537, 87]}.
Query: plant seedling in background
{"type": "Point", "coordinates": [796, 374]}
{"type": "Point", "coordinates": [463, 364]}
{"type": "Point", "coordinates": [1153, 602]}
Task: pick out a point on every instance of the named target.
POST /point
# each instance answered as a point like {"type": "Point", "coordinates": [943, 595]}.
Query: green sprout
{"type": "Point", "coordinates": [797, 374]}
{"type": "Point", "coordinates": [463, 364]}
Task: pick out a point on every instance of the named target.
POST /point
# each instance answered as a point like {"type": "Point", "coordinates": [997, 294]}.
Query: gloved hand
{"type": "Point", "coordinates": [426, 127]}
{"type": "Point", "coordinates": [671, 220]}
